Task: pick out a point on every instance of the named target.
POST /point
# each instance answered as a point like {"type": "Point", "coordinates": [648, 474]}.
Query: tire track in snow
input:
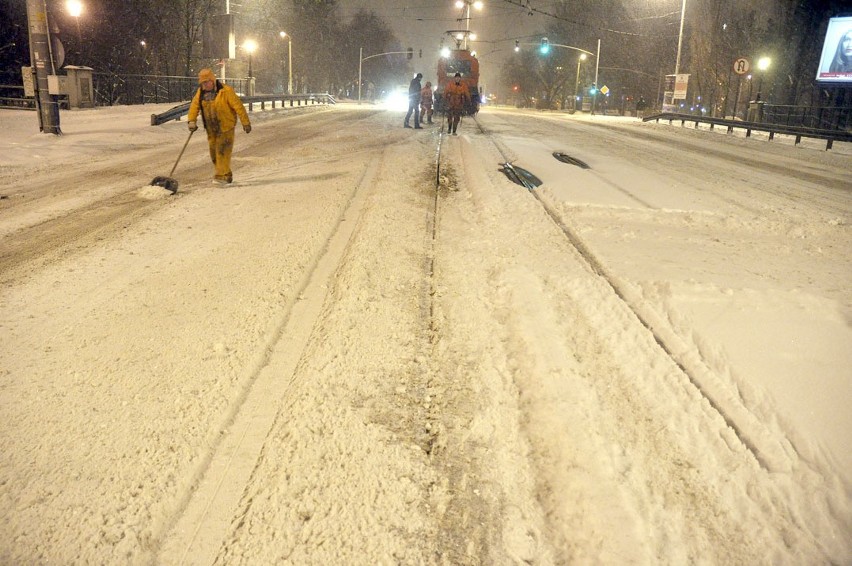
{"type": "Point", "coordinates": [754, 436]}
{"type": "Point", "coordinates": [828, 189]}
{"type": "Point", "coordinates": [110, 201]}
{"type": "Point", "coordinates": [195, 534]}
{"type": "Point", "coordinates": [652, 432]}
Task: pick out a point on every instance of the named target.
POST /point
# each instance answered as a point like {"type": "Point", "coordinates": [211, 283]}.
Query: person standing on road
{"type": "Point", "coordinates": [414, 89]}
{"type": "Point", "coordinates": [219, 107]}
{"type": "Point", "coordinates": [456, 98]}
{"type": "Point", "coordinates": [426, 100]}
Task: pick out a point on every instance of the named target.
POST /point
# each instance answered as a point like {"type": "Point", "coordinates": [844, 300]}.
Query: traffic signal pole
{"type": "Point", "coordinates": [544, 48]}
{"type": "Point", "coordinates": [361, 59]}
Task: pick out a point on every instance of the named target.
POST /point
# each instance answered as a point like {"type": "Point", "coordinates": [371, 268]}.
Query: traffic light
{"type": "Point", "coordinates": [594, 89]}
{"type": "Point", "coordinates": [545, 46]}
{"type": "Point", "coordinates": [410, 52]}
{"type": "Point", "coordinates": [517, 46]}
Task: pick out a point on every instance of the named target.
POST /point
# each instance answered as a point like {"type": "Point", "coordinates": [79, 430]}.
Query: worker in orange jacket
{"type": "Point", "coordinates": [426, 101]}
{"type": "Point", "coordinates": [219, 107]}
{"type": "Point", "coordinates": [456, 98]}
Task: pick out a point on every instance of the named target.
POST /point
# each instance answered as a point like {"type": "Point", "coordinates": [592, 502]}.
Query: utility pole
{"type": "Point", "coordinates": [41, 59]}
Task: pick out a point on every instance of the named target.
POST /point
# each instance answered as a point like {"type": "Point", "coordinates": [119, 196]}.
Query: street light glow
{"type": "Point", "coordinates": [763, 63]}
{"type": "Point", "coordinates": [250, 46]}
{"type": "Point", "coordinates": [445, 52]}
{"type": "Point", "coordinates": [477, 4]}
{"type": "Point", "coordinates": [74, 7]}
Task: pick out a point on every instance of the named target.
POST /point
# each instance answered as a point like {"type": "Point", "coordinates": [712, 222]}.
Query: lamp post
{"type": "Point", "coordinates": [580, 59]}
{"type": "Point", "coordinates": [466, 5]}
{"type": "Point", "coordinates": [284, 34]}
{"type": "Point", "coordinates": [75, 10]}
{"type": "Point", "coordinates": [669, 96]}
{"type": "Point", "coordinates": [680, 36]}
{"type": "Point", "coordinates": [762, 64]}
{"type": "Point", "coordinates": [250, 46]}
{"type": "Point", "coordinates": [748, 98]}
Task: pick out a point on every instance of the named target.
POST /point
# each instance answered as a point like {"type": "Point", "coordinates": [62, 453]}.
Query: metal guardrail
{"type": "Point", "coordinates": [28, 103]}
{"type": "Point", "coordinates": [798, 131]}
{"type": "Point", "coordinates": [261, 99]}
{"type": "Point", "coordinates": [15, 103]}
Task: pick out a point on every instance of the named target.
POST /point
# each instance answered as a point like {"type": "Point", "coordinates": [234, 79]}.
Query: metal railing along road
{"type": "Point", "coordinates": [821, 118]}
{"type": "Point", "coordinates": [798, 132]}
{"type": "Point", "coordinates": [261, 100]}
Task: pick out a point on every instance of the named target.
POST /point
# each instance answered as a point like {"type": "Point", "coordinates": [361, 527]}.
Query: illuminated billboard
{"type": "Point", "coordinates": [835, 65]}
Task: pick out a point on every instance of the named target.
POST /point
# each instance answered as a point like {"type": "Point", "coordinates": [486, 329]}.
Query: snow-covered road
{"type": "Point", "coordinates": [332, 362]}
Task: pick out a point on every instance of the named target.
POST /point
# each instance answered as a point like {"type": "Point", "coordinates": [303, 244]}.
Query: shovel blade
{"type": "Point", "coordinates": [167, 183]}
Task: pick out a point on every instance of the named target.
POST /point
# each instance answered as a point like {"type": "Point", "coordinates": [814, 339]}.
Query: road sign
{"type": "Point", "coordinates": [741, 66]}
{"type": "Point", "coordinates": [604, 90]}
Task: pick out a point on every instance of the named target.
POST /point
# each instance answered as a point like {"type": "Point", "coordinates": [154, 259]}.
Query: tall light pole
{"type": "Point", "coordinates": [466, 5]}
{"type": "Point", "coordinates": [250, 47]}
{"type": "Point", "coordinates": [762, 64]}
{"type": "Point", "coordinates": [75, 10]}
{"type": "Point", "coordinates": [283, 34]}
{"type": "Point", "coordinates": [580, 59]}
{"type": "Point", "coordinates": [680, 37]}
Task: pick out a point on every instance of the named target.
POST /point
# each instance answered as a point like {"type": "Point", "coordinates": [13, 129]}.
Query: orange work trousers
{"type": "Point", "coordinates": [221, 146]}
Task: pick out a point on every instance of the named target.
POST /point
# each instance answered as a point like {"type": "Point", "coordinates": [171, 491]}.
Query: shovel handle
{"type": "Point", "coordinates": [186, 143]}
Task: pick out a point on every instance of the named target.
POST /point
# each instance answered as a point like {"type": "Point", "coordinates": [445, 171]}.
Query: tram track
{"type": "Point", "coordinates": [743, 423]}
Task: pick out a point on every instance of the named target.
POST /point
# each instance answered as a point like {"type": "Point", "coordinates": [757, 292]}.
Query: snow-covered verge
{"type": "Point", "coordinates": [311, 367]}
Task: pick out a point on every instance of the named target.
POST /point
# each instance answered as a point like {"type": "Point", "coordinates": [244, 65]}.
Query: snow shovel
{"type": "Point", "coordinates": [169, 183]}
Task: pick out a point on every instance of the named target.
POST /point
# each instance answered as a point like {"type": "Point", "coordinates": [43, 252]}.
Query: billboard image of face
{"type": "Point", "coordinates": [835, 65]}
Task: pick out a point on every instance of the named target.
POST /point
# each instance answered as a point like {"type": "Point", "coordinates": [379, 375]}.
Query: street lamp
{"type": "Point", "coordinates": [762, 64]}
{"type": "Point", "coordinates": [75, 10]}
{"type": "Point", "coordinates": [580, 59]}
{"type": "Point", "coordinates": [466, 5]}
{"type": "Point", "coordinates": [283, 34]}
{"type": "Point", "coordinates": [250, 46]}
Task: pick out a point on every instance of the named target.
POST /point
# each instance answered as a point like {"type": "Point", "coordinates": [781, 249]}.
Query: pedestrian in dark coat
{"type": "Point", "coordinates": [414, 101]}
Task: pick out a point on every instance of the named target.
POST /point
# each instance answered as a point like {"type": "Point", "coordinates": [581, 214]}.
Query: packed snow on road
{"type": "Point", "coordinates": [375, 348]}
